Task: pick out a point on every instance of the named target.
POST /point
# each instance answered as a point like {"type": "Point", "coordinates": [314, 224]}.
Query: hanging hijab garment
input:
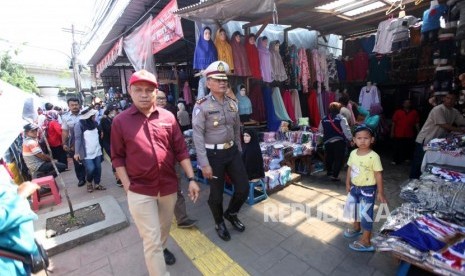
{"type": "Point", "coordinates": [296, 103]}
{"type": "Point", "coordinates": [244, 103]}
{"type": "Point", "coordinates": [205, 52]}
{"type": "Point", "coordinates": [287, 99]}
{"type": "Point", "coordinates": [187, 93]}
{"type": "Point", "coordinates": [278, 103]}
{"type": "Point", "coordinates": [304, 76]}
{"type": "Point", "coordinates": [273, 122]}
{"type": "Point", "coordinates": [284, 51]}
{"type": "Point", "coordinates": [252, 156]}
{"type": "Point", "coordinates": [295, 67]}
{"type": "Point", "coordinates": [256, 98]}
{"type": "Point", "coordinates": [311, 66]}
{"type": "Point", "coordinates": [252, 56]}
{"type": "Point", "coordinates": [278, 72]}
{"type": "Point", "coordinates": [313, 109]}
{"type": "Point", "coordinates": [241, 64]}
{"type": "Point", "coordinates": [224, 48]}
{"type": "Point", "coordinates": [265, 59]}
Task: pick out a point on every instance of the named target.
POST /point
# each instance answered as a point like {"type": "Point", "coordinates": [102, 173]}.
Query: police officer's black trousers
{"type": "Point", "coordinates": [227, 161]}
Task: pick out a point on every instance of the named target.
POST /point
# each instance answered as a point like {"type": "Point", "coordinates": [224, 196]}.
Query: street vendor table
{"type": "Point", "coordinates": [442, 158]}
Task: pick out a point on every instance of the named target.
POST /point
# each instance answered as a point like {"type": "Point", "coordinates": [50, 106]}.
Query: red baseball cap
{"type": "Point", "coordinates": [143, 75]}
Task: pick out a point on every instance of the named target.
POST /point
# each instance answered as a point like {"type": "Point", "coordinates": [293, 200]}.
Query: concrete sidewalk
{"type": "Point", "coordinates": [296, 245]}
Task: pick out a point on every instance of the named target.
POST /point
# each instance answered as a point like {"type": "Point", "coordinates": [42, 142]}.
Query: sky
{"type": "Point", "coordinates": [35, 27]}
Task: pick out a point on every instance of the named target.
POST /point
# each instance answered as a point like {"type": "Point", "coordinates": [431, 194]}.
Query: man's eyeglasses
{"type": "Point", "coordinates": [161, 98]}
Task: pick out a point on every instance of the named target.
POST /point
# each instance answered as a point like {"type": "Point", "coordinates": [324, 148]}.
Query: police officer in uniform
{"type": "Point", "coordinates": [216, 126]}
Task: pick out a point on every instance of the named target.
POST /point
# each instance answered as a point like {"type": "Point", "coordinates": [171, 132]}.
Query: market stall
{"type": "Point", "coordinates": [448, 151]}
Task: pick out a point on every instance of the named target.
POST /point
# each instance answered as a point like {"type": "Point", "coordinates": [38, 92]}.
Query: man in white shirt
{"type": "Point", "coordinates": [440, 121]}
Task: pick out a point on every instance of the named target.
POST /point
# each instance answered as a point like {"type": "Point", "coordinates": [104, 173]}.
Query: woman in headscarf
{"type": "Point", "coordinates": [336, 133]}
{"type": "Point", "coordinates": [244, 103]}
{"type": "Point", "coordinates": [205, 51]}
{"type": "Point", "coordinates": [52, 129]}
{"type": "Point", "coordinates": [241, 64]}
{"type": "Point", "coordinates": [88, 149]}
{"type": "Point", "coordinates": [278, 72]}
{"type": "Point", "coordinates": [265, 59]}
{"type": "Point", "coordinates": [252, 56]}
{"type": "Point", "coordinates": [224, 48]}
{"type": "Point", "coordinates": [252, 155]}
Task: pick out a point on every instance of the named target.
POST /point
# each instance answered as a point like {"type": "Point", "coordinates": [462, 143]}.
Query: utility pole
{"type": "Point", "coordinates": [75, 62]}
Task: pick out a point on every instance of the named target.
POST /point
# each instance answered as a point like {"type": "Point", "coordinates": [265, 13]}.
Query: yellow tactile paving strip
{"type": "Point", "coordinates": [206, 256]}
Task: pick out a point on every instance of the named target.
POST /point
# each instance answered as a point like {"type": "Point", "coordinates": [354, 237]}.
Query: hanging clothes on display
{"type": "Point", "coordinates": [383, 41]}
{"type": "Point", "coordinates": [431, 22]}
{"type": "Point", "coordinates": [349, 68]}
{"type": "Point", "coordinates": [443, 79]}
{"type": "Point", "coordinates": [205, 52]}
{"type": "Point", "coordinates": [296, 103]}
{"type": "Point", "coordinates": [304, 76]}
{"type": "Point", "coordinates": [265, 59]}
{"type": "Point", "coordinates": [311, 67]}
{"type": "Point", "coordinates": [360, 66]}
{"type": "Point", "coordinates": [313, 110]}
{"type": "Point", "coordinates": [224, 48]}
{"type": "Point", "coordinates": [187, 93]}
{"type": "Point", "coordinates": [273, 122]}
{"type": "Point", "coordinates": [332, 69]}
{"type": "Point", "coordinates": [252, 56]}
{"type": "Point", "coordinates": [378, 69]}
{"type": "Point", "coordinates": [368, 43]}
{"type": "Point", "coordinates": [295, 67]}
{"type": "Point", "coordinates": [401, 33]}
{"type": "Point", "coordinates": [284, 51]}
{"type": "Point", "coordinates": [241, 63]}
{"type": "Point", "coordinates": [258, 104]}
{"type": "Point", "coordinates": [323, 67]}
{"type": "Point", "coordinates": [369, 95]}
{"type": "Point", "coordinates": [341, 69]}
{"type": "Point", "coordinates": [278, 72]}
{"type": "Point", "coordinates": [278, 104]}
{"type": "Point", "coordinates": [287, 99]}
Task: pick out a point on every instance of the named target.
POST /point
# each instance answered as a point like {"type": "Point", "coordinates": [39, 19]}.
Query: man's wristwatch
{"type": "Point", "coordinates": [191, 179]}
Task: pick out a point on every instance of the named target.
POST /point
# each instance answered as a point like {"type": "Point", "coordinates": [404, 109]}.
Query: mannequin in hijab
{"type": "Point", "coordinates": [205, 53]}
{"type": "Point", "coordinates": [252, 56]}
{"type": "Point", "coordinates": [278, 72]}
{"type": "Point", "coordinates": [252, 155]}
{"type": "Point", "coordinates": [265, 58]}
{"type": "Point", "coordinates": [224, 48]}
{"type": "Point", "coordinates": [244, 103]}
{"type": "Point", "coordinates": [241, 63]}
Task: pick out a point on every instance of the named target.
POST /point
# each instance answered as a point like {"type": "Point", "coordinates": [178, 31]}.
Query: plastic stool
{"type": "Point", "coordinates": [256, 195]}
{"type": "Point", "coordinates": [53, 197]}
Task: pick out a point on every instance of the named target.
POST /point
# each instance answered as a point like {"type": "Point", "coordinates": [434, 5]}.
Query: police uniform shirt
{"type": "Point", "coordinates": [214, 123]}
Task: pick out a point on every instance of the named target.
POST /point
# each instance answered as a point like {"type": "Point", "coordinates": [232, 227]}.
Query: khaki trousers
{"type": "Point", "coordinates": [152, 216]}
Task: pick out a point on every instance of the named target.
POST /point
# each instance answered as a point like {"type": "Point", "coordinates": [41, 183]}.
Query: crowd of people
{"type": "Point", "coordinates": [148, 127]}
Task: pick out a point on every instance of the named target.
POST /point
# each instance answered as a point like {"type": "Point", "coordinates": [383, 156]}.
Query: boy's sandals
{"type": "Point", "coordinates": [358, 246]}
{"type": "Point", "coordinates": [99, 187]}
{"type": "Point", "coordinates": [90, 187]}
{"type": "Point", "coordinates": [352, 233]}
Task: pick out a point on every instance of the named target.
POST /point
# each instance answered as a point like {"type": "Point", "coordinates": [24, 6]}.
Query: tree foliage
{"type": "Point", "coordinates": [15, 74]}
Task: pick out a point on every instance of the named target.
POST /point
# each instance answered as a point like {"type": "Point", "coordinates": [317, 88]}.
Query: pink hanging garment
{"type": "Point", "coordinates": [187, 94]}
{"type": "Point", "coordinates": [304, 75]}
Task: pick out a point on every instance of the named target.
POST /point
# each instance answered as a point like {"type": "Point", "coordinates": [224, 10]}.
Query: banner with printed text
{"type": "Point", "coordinates": [110, 57]}
{"type": "Point", "coordinates": [166, 28]}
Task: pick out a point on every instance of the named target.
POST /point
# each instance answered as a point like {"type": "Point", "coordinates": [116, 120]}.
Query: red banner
{"type": "Point", "coordinates": [110, 57]}
{"type": "Point", "coordinates": [166, 28]}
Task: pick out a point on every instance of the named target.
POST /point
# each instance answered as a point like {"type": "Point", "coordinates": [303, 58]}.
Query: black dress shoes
{"type": "Point", "coordinates": [81, 183]}
{"type": "Point", "coordinates": [236, 223]}
{"type": "Point", "coordinates": [222, 231]}
{"type": "Point", "coordinates": [169, 257]}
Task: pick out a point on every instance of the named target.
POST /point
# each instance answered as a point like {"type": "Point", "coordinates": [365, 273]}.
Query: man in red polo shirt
{"type": "Point", "coordinates": [146, 141]}
{"type": "Point", "coordinates": [405, 125]}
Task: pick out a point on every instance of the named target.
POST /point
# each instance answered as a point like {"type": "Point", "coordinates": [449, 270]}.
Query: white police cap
{"type": "Point", "coordinates": [217, 70]}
